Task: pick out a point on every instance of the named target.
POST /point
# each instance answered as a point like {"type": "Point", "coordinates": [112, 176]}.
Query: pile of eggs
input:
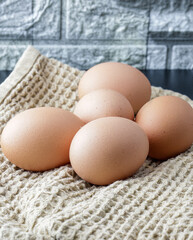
{"type": "Point", "coordinates": [113, 129]}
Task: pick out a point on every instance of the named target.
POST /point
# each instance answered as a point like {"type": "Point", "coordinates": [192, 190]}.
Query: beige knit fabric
{"type": "Point", "coordinates": [156, 203]}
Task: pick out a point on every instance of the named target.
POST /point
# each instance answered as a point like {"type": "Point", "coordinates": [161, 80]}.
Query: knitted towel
{"type": "Point", "coordinates": [156, 203]}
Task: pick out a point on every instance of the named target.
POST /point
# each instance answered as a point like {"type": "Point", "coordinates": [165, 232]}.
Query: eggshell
{"type": "Point", "coordinates": [168, 123]}
{"type": "Point", "coordinates": [103, 103]}
{"type": "Point", "coordinates": [120, 77]}
{"type": "Point", "coordinates": [39, 138]}
{"type": "Point", "coordinates": [108, 149]}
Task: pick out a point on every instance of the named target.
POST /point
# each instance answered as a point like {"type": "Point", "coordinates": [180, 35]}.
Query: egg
{"type": "Point", "coordinates": [120, 77]}
{"type": "Point", "coordinates": [168, 123]}
{"type": "Point", "coordinates": [39, 139]}
{"type": "Point", "coordinates": [108, 149]}
{"type": "Point", "coordinates": [103, 103]}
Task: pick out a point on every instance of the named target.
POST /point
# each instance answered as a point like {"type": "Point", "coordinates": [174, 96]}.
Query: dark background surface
{"type": "Point", "coordinates": [177, 80]}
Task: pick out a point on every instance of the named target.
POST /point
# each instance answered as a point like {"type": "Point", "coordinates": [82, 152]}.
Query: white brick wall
{"type": "Point", "coordinates": [104, 19]}
{"type": "Point", "coordinates": [30, 19]}
{"type": "Point", "coordinates": [182, 57]}
{"type": "Point", "coordinates": [147, 34]}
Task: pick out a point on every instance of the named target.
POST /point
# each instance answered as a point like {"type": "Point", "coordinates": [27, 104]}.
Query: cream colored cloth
{"type": "Point", "coordinates": [156, 203]}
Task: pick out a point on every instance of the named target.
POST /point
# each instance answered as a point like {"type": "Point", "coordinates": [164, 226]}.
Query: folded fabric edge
{"type": "Point", "coordinates": [21, 69]}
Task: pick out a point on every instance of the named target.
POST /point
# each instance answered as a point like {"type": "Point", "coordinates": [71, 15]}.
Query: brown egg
{"type": "Point", "coordinates": [168, 123]}
{"type": "Point", "coordinates": [119, 77]}
{"type": "Point", "coordinates": [103, 103]}
{"type": "Point", "coordinates": [38, 139]}
{"type": "Point", "coordinates": [107, 149]}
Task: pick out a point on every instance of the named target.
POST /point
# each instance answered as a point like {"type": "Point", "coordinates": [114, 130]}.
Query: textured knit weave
{"type": "Point", "coordinates": [156, 203]}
